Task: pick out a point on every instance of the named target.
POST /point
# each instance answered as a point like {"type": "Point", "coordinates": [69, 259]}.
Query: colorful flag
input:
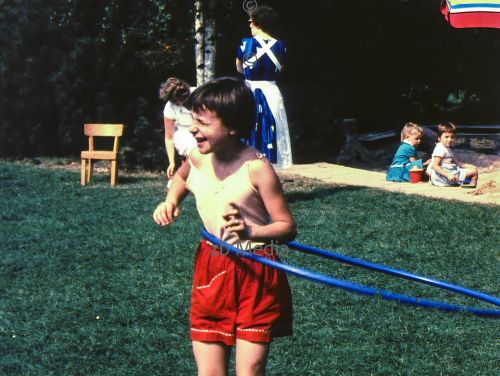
{"type": "Point", "coordinates": [472, 13]}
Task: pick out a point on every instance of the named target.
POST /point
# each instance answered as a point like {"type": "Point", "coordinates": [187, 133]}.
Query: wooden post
{"type": "Point", "coordinates": [352, 149]}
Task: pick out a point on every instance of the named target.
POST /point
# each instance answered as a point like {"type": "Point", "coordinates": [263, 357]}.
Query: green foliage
{"type": "Point", "coordinates": [90, 285]}
{"type": "Point", "coordinates": [74, 61]}
{"type": "Point", "coordinates": [66, 62]}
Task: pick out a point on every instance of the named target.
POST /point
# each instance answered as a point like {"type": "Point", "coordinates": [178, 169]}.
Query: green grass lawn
{"type": "Point", "coordinates": [90, 285]}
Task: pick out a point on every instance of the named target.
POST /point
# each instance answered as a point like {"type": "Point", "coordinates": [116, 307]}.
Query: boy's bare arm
{"type": "Point", "coordinates": [166, 212]}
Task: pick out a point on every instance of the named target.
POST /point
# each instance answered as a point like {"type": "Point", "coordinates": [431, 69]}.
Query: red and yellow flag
{"type": "Point", "coordinates": [472, 13]}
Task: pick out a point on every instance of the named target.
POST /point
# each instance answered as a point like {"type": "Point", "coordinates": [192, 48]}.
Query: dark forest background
{"type": "Point", "coordinates": [67, 62]}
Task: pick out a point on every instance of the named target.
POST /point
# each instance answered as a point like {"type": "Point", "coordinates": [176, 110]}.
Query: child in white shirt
{"type": "Point", "coordinates": [445, 170]}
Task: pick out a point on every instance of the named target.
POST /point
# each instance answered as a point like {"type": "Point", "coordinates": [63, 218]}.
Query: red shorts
{"type": "Point", "coordinates": [234, 297]}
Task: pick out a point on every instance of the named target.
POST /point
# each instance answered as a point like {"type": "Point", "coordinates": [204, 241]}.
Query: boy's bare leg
{"type": "Point", "coordinates": [212, 358]}
{"type": "Point", "coordinates": [251, 357]}
{"type": "Point", "coordinates": [472, 173]}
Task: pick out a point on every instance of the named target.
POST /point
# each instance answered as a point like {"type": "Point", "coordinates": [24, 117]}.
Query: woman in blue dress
{"type": "Point", "coordinates": [260, 59]}
{"type": "Point", "coordinates": [406, 156]}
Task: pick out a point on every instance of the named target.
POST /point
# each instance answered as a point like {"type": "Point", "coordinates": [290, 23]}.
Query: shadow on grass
{"type": "Point", "coordinates": [320, 192]}
{"type": "Point", "coordinates": [139, 179]}
{"type": "Point", "coordinates": [125, 181]}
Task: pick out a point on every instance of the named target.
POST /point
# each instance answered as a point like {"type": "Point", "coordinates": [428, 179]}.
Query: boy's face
{"type": "Point", "coordinates": [447, 139]}
{"type": "Point", "coordinates": [414, 138]}
{"type": "Point", "coordinates": [209, 131]}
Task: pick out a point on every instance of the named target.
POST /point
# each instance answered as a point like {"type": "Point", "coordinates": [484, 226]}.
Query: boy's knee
{"type": "Point", "coordinates": [471, 169]}
{"type": "Point", "coordinates": [251, 368]}
{"type": "Point", "coordinates": [212, 368]}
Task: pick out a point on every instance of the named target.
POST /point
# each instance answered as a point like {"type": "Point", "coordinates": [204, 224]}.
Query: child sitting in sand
{"type": "Point", "coordinates": [405, 158]}
{"type": "Point", "coordinates": [445, 170]}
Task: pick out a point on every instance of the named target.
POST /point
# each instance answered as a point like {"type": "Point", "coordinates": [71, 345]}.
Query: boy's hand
{"type": "Point", "coordinates": [166, 213]}
{"type": "Point", "coordinates": [452, 177]}
{"type": "Point", "coordinates": [234, 222]}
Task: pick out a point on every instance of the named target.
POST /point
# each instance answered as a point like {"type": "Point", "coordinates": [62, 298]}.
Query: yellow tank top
{"type": "Point", "coordinates": [213, 198]}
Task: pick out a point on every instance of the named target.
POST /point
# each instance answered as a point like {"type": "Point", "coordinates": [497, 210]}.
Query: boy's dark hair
{"type": "Point", "coordinates": [446, 128]}
{"type": "Point", "coordinates": [231, 99]}
{"type": "Point", "coordinates": [174, 90]}
{"type": "Point", "coordinates": [265, 18]}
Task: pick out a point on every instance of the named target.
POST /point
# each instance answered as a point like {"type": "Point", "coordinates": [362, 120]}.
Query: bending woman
{"type": "Point", "coordinates": [177, 121]}
{"type": "Point", "coordinates": [260, 59]}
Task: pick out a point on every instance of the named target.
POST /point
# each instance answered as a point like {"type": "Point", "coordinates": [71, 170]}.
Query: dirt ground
{"type": "Point", "coordinates": [489, 170]}
{"type": "Point", "coordinates": [372, 174]}
{"type": "Point", "coordinates": [487, 164]}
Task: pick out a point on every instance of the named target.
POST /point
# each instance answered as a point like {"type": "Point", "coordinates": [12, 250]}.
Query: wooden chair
{"type": "Point", "coordinates": [101, 130]}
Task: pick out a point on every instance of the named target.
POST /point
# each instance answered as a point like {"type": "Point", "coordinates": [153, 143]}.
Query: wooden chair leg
{"type": "Point", "coordinates": [90, 170]}
{"type": "Point", "coordinates": [114, 172]}
{"type": "Point", "coordinates": [83, 179]}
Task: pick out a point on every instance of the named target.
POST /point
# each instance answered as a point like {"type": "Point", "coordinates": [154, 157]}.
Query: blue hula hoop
{"type": "Point", "coordinates": [396, 272]}
{"type": "Point", "coordinates": [366, 290]}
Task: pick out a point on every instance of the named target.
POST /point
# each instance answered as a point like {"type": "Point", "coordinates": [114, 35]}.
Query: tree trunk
{"type": "Point", "coordinates": [210, 39]}
{"type": "Point", "coordinates": [199, 45]}
{"type": "Point", "coordinates": [205, 39]}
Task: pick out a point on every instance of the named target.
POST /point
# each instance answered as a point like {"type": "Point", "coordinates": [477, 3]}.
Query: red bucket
{"type": "Point", "coordinates": [416, 175]}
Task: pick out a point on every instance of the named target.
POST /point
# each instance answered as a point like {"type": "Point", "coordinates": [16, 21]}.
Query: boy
{"type": "Point", "coordinates": [445, 170]}
{"type": "Point", "coordinates": [235, 301]}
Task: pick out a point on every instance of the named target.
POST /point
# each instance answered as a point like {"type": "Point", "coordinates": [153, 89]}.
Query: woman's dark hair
{"type": "Point", "coordinates": [175, 91]}
{"type": "Point", "coordinates": [231, 99]}
{"type": "Point", "coordinates": [265, 18]}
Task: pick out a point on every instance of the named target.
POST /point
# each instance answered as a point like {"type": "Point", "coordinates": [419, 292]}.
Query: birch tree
{"type": "Point", "coordinates": [205, 39]}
